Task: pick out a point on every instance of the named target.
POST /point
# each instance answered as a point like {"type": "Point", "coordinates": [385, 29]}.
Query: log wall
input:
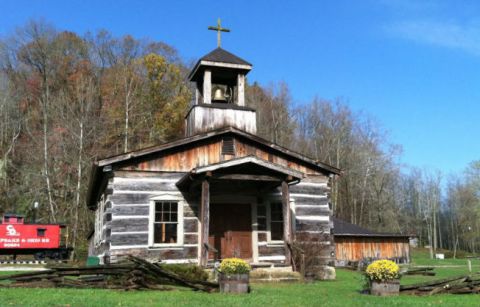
{"type": "Point", "coordinates": [312, 222]}
{"type": "Point", "coordinates": [129, 200]}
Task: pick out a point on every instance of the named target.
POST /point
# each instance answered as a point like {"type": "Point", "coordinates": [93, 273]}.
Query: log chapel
{"type": "Point", "coordinates": [219, 192]}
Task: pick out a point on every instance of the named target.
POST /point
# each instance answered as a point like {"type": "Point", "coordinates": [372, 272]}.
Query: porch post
{"type": "Point", "coordinates": [205, 220]}
{"type": "Point", "coordinates": [287, 222]}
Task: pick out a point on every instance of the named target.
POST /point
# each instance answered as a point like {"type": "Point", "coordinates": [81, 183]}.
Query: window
{"type": "Point", "coordinates": [262, 218]}
{"type": "Point", "coordinates": [270, 220]}
{"type": "Point", "coordinates": [165, 225]}
{"type": "Point", "coordinates": [41, 232]}
{"type": "Point", "coordinates": [276, 221]}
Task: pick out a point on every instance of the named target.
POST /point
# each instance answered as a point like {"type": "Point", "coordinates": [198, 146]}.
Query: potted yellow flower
{"type": "Point", "coordinates": [384, 277]}
{"type": "Point", "coordinates": [234, 276]}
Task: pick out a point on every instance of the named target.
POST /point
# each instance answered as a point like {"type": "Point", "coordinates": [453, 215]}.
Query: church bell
{"type": "Point", "coordinates": [219, 95]}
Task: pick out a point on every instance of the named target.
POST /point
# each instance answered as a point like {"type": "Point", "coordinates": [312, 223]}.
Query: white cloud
{"type": "Point", "coordinates": [462, 36]}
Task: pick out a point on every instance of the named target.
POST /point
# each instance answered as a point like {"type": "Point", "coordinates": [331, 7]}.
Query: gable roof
{"type": "Point", "coordinates": [97, 172]}
{"type": "Point", "coordinates": [199, 137]}
{"type": "Point", "coordinates": [222, 55]}
{"type": "Point", "coordinates": [219, 58]}
{"type": "Point", "coordinates": [343, 228]}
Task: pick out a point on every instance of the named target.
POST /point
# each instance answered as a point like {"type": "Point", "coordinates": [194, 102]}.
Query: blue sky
{"type": "Point", "coordinates": [412, 65]}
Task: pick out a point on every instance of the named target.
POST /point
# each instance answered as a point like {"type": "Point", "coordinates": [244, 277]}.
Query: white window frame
{"type": "Point", "coordinates": [151, 219]}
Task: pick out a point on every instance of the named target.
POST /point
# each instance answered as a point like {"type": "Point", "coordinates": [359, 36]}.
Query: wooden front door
{"type": "Point", "coordinates": [231, 230]}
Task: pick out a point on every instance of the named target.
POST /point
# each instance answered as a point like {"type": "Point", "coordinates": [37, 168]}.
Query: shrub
{"type": "Point", "coordinates": [382, 270]}
{"type": "Point", "coordinates": [187, 271]}
{"type": "Point", "coordinates": [234, 266]}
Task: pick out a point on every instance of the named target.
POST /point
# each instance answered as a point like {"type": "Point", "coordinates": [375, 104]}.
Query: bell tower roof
{"type": "Point", "coordinates": [220, 58]}
{"type": "Point", "coordinates": [219, 79]}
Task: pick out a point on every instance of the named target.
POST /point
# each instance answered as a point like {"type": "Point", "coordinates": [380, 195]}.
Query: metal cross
{"type": "Point", "coordinates": [219, 29]}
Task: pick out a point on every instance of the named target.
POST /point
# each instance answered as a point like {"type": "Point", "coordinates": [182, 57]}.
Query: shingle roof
{"type": "Point", "coordinates": [343, 228]}
{"type": "Point", "coordinates": [222, 55]}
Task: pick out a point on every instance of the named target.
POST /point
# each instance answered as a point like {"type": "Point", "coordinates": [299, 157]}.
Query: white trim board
{"type": "Point", "coordinates": [324, 218]}
{"type": "Point", "coordinates": [143, 179]}
{"type": "Point", "coordinates": [154, 193]}
{"type": "Point", "coordinates": [266, 258]}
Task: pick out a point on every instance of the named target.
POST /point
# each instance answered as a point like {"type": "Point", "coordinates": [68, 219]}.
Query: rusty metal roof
{"type": "Point", "coordinates": [344, 228]}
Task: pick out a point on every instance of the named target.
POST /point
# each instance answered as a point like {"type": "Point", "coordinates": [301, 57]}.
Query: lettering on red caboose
{"type": "Point", "coordinates": [27, 236]}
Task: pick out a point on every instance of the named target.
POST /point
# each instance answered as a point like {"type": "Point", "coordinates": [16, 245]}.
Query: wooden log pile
{"type": "Point", "coordinates": [455, 285]}
{"type": "Point", "coordinates": [134, 274]}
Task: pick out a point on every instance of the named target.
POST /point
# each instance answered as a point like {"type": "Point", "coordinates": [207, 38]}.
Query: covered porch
{"type": "Point", "coordinates": [243, 209]}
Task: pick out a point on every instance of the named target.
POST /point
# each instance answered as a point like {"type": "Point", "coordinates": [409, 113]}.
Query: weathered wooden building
{"type": "Point", "coordinates": [221, 187]}
{"type": "Point", "coordinates": [354, 243]}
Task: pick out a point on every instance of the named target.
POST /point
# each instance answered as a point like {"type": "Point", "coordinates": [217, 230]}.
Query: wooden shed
{"type": "Point", "coordinates": [354, 243]}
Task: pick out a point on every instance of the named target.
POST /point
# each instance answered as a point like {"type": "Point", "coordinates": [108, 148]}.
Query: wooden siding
{"type": "Point", "coordinates": [356, 248]}
{"type": "Point", "coordinates": [204, 154]}
{"type": "Point", "coordinates": [207, 118]}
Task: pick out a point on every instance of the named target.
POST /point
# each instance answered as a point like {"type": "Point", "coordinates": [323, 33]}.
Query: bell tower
{"type": "Point", "coordinates": [219, 79]}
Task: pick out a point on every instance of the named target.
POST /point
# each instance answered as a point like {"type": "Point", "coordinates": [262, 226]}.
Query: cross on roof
{"type": "Point", "coordinates": [219, 29]}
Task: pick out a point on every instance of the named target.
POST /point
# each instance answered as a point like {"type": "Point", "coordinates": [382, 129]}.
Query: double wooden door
{"type": "Point", "coordinates": [231, 230]}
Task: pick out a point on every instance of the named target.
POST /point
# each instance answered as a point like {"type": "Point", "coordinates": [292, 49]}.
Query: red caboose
{"type": "Point", "coordinates": [41, 240]}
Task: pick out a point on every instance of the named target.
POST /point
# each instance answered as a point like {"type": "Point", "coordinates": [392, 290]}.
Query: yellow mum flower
{"type": "Point", "coordinates": [382, 270]}
{"type": "Point", "coordinates": [234, 266]}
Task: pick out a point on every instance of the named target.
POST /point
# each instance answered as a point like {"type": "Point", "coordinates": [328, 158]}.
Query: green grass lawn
{"type": "Point", "coordinates": [345, 291]}
{"type": "Point", "coordinates": [342, 292]}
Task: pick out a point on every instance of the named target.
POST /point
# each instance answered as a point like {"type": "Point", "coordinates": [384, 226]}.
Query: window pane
{"type": "Point", "coordinates": [173, 217]}
{"type": "Point", "coordinates": [158, 217]}
{"type": "Point", "coordinates": [170, 233]}
{"type": "Point", "coordinates": [158, 233]}
{"type": "Point", "coordinates": [261, 211]}
{"type": "Point", "coordinates": [173, 207]}
{"type": "Point", "coordinates": [158, 206]}
{"type": "Point", "coordinates": [276, 212]}
{"type": "Point", "coordinates": [262, 223]}
{"type": "Point", "coordinates": [277, 231]}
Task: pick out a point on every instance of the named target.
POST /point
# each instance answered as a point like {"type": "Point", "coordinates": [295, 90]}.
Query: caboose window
{"type": "Point", "coordinates": [41, 232]}
{"type": "Point", "coordinates": [166, 222]}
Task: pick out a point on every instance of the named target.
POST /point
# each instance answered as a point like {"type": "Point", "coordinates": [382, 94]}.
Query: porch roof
{"type": "Point", "coordinates": [249, 168]}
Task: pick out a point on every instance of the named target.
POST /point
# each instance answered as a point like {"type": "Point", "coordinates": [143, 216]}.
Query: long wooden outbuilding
{"type": "Point", "coordinates": [354, 243]}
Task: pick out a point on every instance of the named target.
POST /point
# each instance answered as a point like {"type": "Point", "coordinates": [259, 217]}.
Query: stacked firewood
{"type": "Point", "coordinates": [454, 285]}
{"type": "Point", "coordinates": [134, 274]}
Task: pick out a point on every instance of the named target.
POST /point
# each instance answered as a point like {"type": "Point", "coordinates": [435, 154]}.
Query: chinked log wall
{"type": "Point", "coordinates": [313, 224]}
{"type": "Point", "coordinates": [130, 207]}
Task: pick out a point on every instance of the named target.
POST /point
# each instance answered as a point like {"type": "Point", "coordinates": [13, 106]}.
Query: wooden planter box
{"type": "Point", "coordinates": [385, 288]}
{"type": "Point", "coordinates": [234, 283]}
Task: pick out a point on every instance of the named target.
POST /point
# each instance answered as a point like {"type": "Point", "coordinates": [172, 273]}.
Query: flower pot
{"type": "Point", "coordinates": [385, 288]}
{"type": "Point", "coordinates": [234, 283]}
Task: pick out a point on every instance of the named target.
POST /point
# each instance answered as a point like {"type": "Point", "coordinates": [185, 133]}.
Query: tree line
{"type": "Point", "coordinates": [68, 99]}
